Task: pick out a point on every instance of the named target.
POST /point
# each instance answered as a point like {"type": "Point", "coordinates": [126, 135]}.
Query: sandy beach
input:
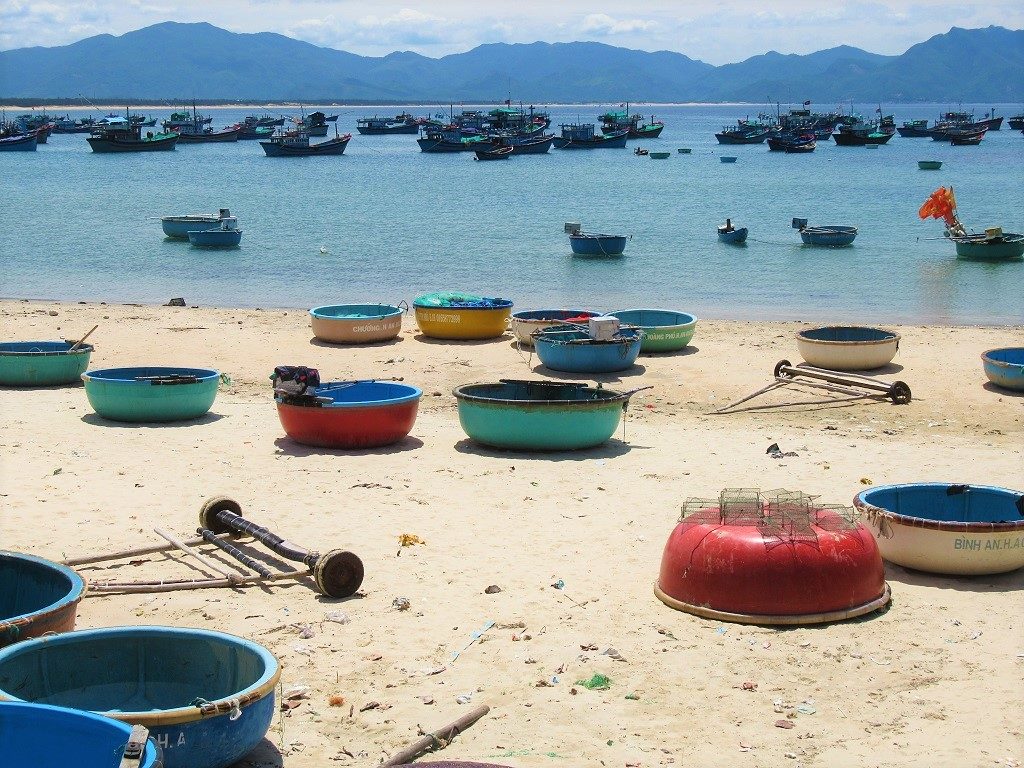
{"type": "Point", "coordinates": [936, 680]}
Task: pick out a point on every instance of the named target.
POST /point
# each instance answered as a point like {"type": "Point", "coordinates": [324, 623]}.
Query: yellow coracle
{"type": "Point", "coordinates": [461, 316]}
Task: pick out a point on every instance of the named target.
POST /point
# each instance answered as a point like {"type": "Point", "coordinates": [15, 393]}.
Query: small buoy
{"type": "Point", "coordinates": [323, 249]}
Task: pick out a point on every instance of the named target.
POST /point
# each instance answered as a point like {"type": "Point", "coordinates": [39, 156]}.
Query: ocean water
{"type": "Point", "coordinates": [396, 223]}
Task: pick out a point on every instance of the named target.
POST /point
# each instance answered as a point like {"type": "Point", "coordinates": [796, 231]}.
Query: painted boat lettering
{"type": "Point", "coordinates": [442, 317]}
{"type": "Point", "coordinates": [367, 328]}
{"type": "Point", "coordinates": [975, 545]}
{"type": "Point", "coordinates": [164, 740]}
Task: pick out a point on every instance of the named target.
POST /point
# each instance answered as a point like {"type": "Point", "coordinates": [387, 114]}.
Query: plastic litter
{"type": "Point", "coordinates": [598, 682]}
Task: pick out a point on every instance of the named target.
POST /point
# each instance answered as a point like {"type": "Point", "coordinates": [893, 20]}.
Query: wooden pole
{"type": "Point", "coordinates": [126, 553]}
{"type": "Point", "coordinates": [215, 567]}
{"type": "Point", "coordinates": [437, 740]}
{"type": "Point", "coordinates": [131, 587]}
{"type": "Point", "coordinates": [81, 341]}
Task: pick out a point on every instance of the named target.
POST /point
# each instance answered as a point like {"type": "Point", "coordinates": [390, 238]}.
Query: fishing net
{"type": "Point", "coordinates": [452, 300]}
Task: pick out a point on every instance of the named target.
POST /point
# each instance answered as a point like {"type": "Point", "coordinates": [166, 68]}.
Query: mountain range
{"type": "Point", "coordinates": [181, 62]}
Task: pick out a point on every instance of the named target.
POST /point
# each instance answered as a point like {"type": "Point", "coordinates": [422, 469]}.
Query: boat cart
{"type": "Point", "coordinates": [337, 573]}
{"type": "Point", "coordinates": [856, 386]}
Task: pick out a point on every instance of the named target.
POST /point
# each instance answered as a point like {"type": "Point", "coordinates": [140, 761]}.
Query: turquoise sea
{"type": "Point", "coordinates": [396, 223]}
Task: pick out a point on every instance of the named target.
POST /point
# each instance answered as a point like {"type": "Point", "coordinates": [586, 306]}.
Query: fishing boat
{"type": "Point", "coordinates": [660, 155]}
{"type": "Point", "coordinates": [178, 227]}
{"type": "Point", "coordinates": [526, 322]}
{"type": "Point", "coordinates": [250, 132]}
{"type": "Point", "coordinates": [914, 129]}
{"type": "Point", "coordinates": [1005, 367]}
{"type": "Point", "coordinates": [539, 415]}
{"type": "Point", "coordinates": [498, 153]}
{"type": "Point", "coordinates": [37, 597]}
{"type": "Point", "coordinates": [43, 736]}
{"type": "Point", "coordinates": [42, 363]}
{"type": "Point", "coordinates": [598, 347]}
{"type": "Point", "coordinates": [206, 697]}
{"type": "Point", "coordinates": [869, 135]}
{"type": "Point", "coordinates": [727, 159]}
{"type": "Point", "coordinates": [929, 165]}
{"type": "Point", "coordinates": [206, 135]}
{"type": "Point", "coordinates": [384, 126]}
{"type": "Point", "coordinates": [350, 414]}
{"type": "Point", "coordinates": [451, 139]}
{"type": "Point", "coordinates": [151, 394]}
{"type": "Point", "coordinates": [614, 121]}
{"type": "Point", "coordinates": [684, 150]}
{"type": "Point", "coordinates": [947, 528]}
{"type": "Point", "coordinates": [461, 316]}
{"type": "Point", "coordinates": [582, 136]}
{"type": "Point", "coordinates": [664, 330]}
{"type": "Point", "coordinates": [847, 348]}
{"type": "Point", "coordinates": [296, 144]}
{"type": "Point", "coordinates": [963, 138]}
{"type": "Point", "coordinates": [524, 144]}
{"type": "Point", "coordinates": [129, 138]}
{"type": "Point", "coordinates": [992, 245]}
{"type": "Point", "coordinates": [771, 558]}
{"type": "Point", "coordinates": [356, 323]}
{"type": "Point", "coordinates": [593, 243]}
{"type": "Point", "coordinates": [641, 152]}
{"type": "Point", "coordinates": [1016, 122]}
{"type": "Point", "coordinates": [727, 233]}
{"type": "Point", "coordinates": [315, 124]}
{"type": "Point", "coordinates": [800, 147]}
{"type": "Point", "coordinates": [831, 236]}
{"type": "Point", "coordinates": [744, 132]}
{"type": "Point", "coordinates": [226, 235]}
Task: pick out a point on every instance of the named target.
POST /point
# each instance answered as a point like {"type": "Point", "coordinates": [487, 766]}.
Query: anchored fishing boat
{"type": "Point", "coordinates": [42, 363]}
{"type": "Point", "coordinates": [525, 323]}
{"type": "Point", "coordinates": [384, 126]}
{"type": "Point", "coordinates": [498, 153]}
{"type": "Point", "coordinates": [929, 165]}
{"type": "Point", "coordinates": [227, 235]}
{"type": "Point", "coordinates": [461, 316]}
{"type": "Point", "coordinates": [660, 155]}
{"type": "Point", "coordinates": [537, 143]}
{"type": "Point", "coordinates": [847, 348]}
{"type": "Point", "coordinates": [614, 121]}
{"type": "Point", "coordinates": [129, 138]}
{"type": "Point", "coordinates": [772, 558]}
{"type": "Point", "coordinates": [601, 346]}
{"type": "Point", "coordinates": [1005, 367]}
{"type": "Point", "coordinates": [744, 132]}
{"type": "Point", "coordinates": [593, 243]}
{"type": "Point", "coordinates": [582, 136]}
{"type": "Point", "coordinates": [664, 330]}
{"type": "Point", "coordinates": [151, 394]}
{"type": "Point", "coordinates": [727, 233]}
{"type": "Point", "coordinates": [296, 144]}
{"type": "Point", "coordinates": [37, 597]}
{"type": "Point", "coordinates": [540, 415]}
{"type": "Point", "coordinates": [992, 245]}
{"type": "Point", "coordinates": [946, 528]}
{"type": "Point", "coordinates": [178, 227]}
{"type": "Point", "coordinates": [207, 698]}
{"type": "Point", "coordinates": [831, 236]}
{"type": "Point", "coordinates": [19, 142]}
{"type": "Point", "coordinates": [357, 323]}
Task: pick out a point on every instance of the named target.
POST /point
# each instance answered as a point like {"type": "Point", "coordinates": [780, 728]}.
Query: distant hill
{"type": "Point", "coordinates": [173, 61]}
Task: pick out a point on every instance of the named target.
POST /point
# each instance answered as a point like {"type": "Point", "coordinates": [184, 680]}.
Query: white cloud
{"type": "Point", "coordinates": [603, 24]}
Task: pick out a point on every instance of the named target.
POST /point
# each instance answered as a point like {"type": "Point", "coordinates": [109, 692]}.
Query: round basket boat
{"type": "Point", "coordinates": [42, 363]}
{"type": "Point", "coordinates": [42, 736]}
{"type": "Point", "coordinates": [567, 348]}
{"type": "Point", "coordinates": [351, 414]}
{"type": "Point", "coordinates": [151, 394]}
{"type": "Point", "coordinates": [1005, 367]}
{"type": "Point", "coordinates": [207, 698]}
{"type": "Point", "coordinates": [539, 415]}
{"type": "Point", "coordinates": [962, 530]}
{"type": "Point", "coordinates": [847, 348]}
{"type": "Point", "coordinates": [36, 597]}
{"type": "Point", "coordinates": [784, 561]}
{"type": "Point", "coordinates": [664, 330]}
{"type": "Point", "coordinates": [526, 322]}
{"type": "Point", "coordinates": [356, 323]}
{"type": "Point", "coordinates": [461, 316]}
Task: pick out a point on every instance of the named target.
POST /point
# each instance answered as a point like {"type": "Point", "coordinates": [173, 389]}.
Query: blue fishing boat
{"type": "Point", "coordinates": [296, 144]}
{"type": "Point", "coordinates": [744, 132]}
{"type": "Point", "coordinates": [178, 227]}
{"type": "Point", "coordinates": [19, 142]}
{"type": "Point", "coordinates": [42, 363]}
{"type": "Point", "coordinates": [384, 126]}
{"type": "Point", "coordinates": [594, 244]}
{"type": "Point", "coordinates": [727, 158]}
{"type": "Point", "coordinates": [1005, 367]}
{"type": "Point", "coordinates": [582, 136]}
{"type": "Point", "coordinates": [119, 135]}
{"type": "Point", "coordinates": [618, 120]}
{"type": "Point", "coordinates": [498, 153]}
{"type": "Point", "coordinates": [451, 138]}
{"type": "Point", "coordinates": [664, 330]}
{"type": "Point", "coordinates": [573, 349]}
{"type": "Point", "coordinates": [42, 736]}
{"type": "Point", "coordinates": [727, 233]}
{"type": "Point", "coordinates": [536, 143]}
{"type": "Point", "coordinates": [37, 597]}
{"type": "Point", "coordinates": [828, 236]}
{"type": "Point", "coordinates": [315, 124]}
{"type": "Point", "coordinates": [227, 235]}
{"type": "Point", "coordinates": [151, 394]}
{"type": "Point", "coordinates": [206, 697]}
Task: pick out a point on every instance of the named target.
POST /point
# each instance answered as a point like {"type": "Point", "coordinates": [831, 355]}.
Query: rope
{"type": "Point", "coordinates": [770, 242]}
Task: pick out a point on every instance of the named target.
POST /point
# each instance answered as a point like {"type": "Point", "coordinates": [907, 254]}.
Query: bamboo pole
{"type": "Point", "coordinates": [131, 587]}
{"type": "Point", "coordinates": [213, 566]}
{"type": "Point", "coordinates": [147, 550]}
{"type": "Point", "coordinates": [437, 740]}
{"type": "Point", "coordinates": [81, 341]}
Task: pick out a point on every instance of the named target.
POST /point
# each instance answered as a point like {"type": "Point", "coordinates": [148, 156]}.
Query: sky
{"type": "Point", "coordinates": [717, 32]}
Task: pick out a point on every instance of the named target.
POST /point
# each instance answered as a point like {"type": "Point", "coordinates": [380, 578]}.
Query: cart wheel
{"type": "Point", "coordinates": [208, 513]}
{"type": "Point", "coordinates": [338, 573]}
{"type": "Point", "coordinates": [900, 393]}
{"type": "Point", "coordinates": [779, 366]}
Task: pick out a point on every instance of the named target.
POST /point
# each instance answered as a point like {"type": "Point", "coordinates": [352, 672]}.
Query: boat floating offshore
{"type": "Point", "coordinates": [178, 227]}
{"type": "Point", "coordinates": [295, 143]}
{"type": "Point", "coordinates": [1005, 367]}
{"type": "Point", "coordinates": [831, 236]}
{"type": "Point", "coordinates": [357, 323]}
{"type": "Point", "coordinates": [227, 235]}
{"type": "Point", "coordinates": [727, 233]}
{"type": "Point", "coordinates": [37, 597]}
{"type": "Point", "coordinates": [664, 330]}
{"type": "Point", "coordinates": [847, 348]}
{"type": "Point", "coordinates": [151, 394]}
{"type": "Point", "coordinates": [771, 558]}
{"type": "Point", "coordinates": [594, 244]}
{"type": "Point", "coordinates": [600, 346]}
{"type": "Point", "coordinates": [992, 245]}
{"type": "Point", "coordinates": [19, 142]}
{"type": "Point", "coordinates": [582, 136]}
{"type": "Point", "coordinates": [660, 155]}
{"type": "Point", "coordinates": [498, 153]}
{"type": "Point", "coordinates": [945, 528]}
{"type": "Point", "coordinates": [929, 165]}
{"type": "Point", "coordinates": [540, 415]}
{"type": "Point", "coordinates": [42, 363]}
{"type": "Point", "coordinates": [461, 316]}
{"type": "Point", "coordinates": [207, 698]}
{"type": "Point", "coordinates": [526, 322]}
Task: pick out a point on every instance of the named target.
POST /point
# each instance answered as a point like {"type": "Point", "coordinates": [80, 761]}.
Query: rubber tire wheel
{"type": "Point", "coordinates": [778, 369]}
{"type": "Point", "coordinates": [208, 513]}
{"type": "Point", "coordinates": [900, 393]}
{"type": "Point", "coordinates": [338, 573]}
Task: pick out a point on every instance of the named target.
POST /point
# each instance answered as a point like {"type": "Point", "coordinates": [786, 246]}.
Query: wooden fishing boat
{"type": "Point", "coordinates": [582, 136]}
{"type": "Point", "coordinates": [660, 155]}
{"type": "Point", "coordinates": [296, 144]}
{"type": "Point", "coordinates": [206, 697]}
{"type": "Point", "coordinates": [594, 243]}
{"type": "Point", "coordinates": [929, 165]}
{"type": "Point", "coordinates": [525, 144]}
{"type": "Point", "coordinates": [860, 137]}
{"type": "Point", "coordinates": [178, 227]}
{"type": "Point", "coordinates": [498, 153]}
{"type": "Point", "coordinates": [539, 415]}
{"type": "Point", "coordinates": [744, 133]}
{"type": "Point", "coordinates": [641, 152]}
{"type": "Point", "coordinates": [461, 316]}
{"type": "Point", "coordinates": [664, 330]}
{"type": "Point", "coordinates": [356, 323]}
{"type": "Point", "coordinates": [227, 235]}
{"type": "Point", "coordinates": [727, 158]}
{"type": "Point", "coordinates": [847, 348]}
{"type": "Point", "coordinates": [798, 147]}
{"type": "Point", "coordinates": [350, 414]}
{"type": "Point", "coordinates": [727, 233]}
{"type": "Point", "coordinates": [130, 139]}
{"type": "Point", "coordinates": [619, 120]}
{"type": "Point", "coordinates": [43, 736]}
{"type": "Point", "coordinates": [526, 322]}
{"type": "Point", "coordinates": [962, 530]}
{"type": "Point", "coordinates": [573, 349]}
{"type": "Point", "coordinates": [19, 142]}
{"type": "Point", "coordinates": [404, 123]}
{"type": "Point", "coordinates": [994, 246]}
{"type": "Point", "coordinates": [965, 139]}
{"type": "Point", "coordinates": [831, 236]}
{"type": "Point", "coordinates": [37, 597]}
{"type": "Point", "coordinates": [42, 363]}
{"type": "Point", "coordinates": [209, 136]}
{"type": "Point", "coordinates": [777, 558]}
{"type": "Point", "coordinates": [451, 139]}
{"type": "Point", "coordinates": [684, 150]}
{"type": "Point", "coordinates": [1016, 122]}
{"type": "Point", "coordinates": [914, 129]}
{"type": "Point", "coordinates": [1005, 367]}
{"type": "Point", "coordinates": [152, 394]}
